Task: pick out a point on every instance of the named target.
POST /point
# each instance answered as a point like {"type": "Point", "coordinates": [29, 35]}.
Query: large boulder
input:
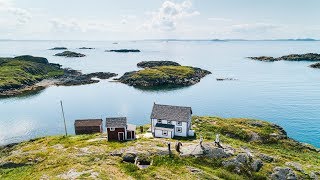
{"type": "Point", "coordinates": [283, 173]}
{"type": "Point", "coordinates": [295, 165]}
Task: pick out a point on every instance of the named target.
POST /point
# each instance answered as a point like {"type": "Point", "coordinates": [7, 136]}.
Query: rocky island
{"type": "Point", "coordinates": [59, 48]}
{"type": "Point", "coordinates": [28, 73]}
{"type": "Point", "coordinates": [123, 50]}
{"type": "Point", "coordinates": [162, 73]}
{"type": "Point", "coordinates": [70, 54]}
{"type": "Point", "coordinates": [251, 149]}
{"type": "Point", "coordinates": [290, 57]}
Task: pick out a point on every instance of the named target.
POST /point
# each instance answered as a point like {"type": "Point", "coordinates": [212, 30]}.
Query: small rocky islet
{"type": "Point", "coordinates": [123, 50]}
{"type": "Point", "coordinates": [86, 48]}
{"type": "Point", "coordinates": [163, 73]}
{"type": "Point", "coordinates": [70, 54]}
{"type": "Point", "coordinates": [28, 73]}
{"type": "Point", "coordinates": [59, 48]}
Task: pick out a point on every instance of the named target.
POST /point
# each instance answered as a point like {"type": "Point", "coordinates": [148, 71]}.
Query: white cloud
{"type": "Point", "coordinates": [168, 15]}
{"type": "Point", "coordinates": [22, 16]}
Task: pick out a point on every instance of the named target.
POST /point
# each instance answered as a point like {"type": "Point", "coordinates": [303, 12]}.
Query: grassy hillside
{"type": "Point", "coordinates": [92, 157]}
{"type": "Point", "coordinates": [25, 70]}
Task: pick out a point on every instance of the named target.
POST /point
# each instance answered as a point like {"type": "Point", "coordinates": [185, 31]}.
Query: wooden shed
{"type": "Point", "coordinates": [88, 126]}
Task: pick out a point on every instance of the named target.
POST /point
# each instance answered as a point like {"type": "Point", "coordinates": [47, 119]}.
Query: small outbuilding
{"type": "Point", "coordinates": [88, 126]}
{"type": "Point", "coordinates": [119, 130]}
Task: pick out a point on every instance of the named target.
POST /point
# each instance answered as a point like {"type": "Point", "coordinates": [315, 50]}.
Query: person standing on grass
{"type": "Point", "coordinates": [217, 141]}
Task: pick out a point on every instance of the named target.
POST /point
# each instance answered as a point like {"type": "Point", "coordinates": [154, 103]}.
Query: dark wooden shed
{"type": "Point", "coordinates": [88, 126]}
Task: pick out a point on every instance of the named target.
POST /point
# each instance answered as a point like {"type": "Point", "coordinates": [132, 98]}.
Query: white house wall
{"type": "Point", "coordinates": [158, 133]}
{"type": "Point", "coordinates": [185, 127]}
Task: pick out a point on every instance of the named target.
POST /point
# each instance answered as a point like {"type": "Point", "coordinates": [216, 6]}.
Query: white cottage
{"type": "Point", "coordinates": [169, 121]}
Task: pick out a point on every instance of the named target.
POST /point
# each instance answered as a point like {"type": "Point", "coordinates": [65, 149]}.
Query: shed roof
{"type": "Point", "coordinates": [88, 122]}
{"type": "Point", "coordinates": [167, 126]}
{"type": "Point", "coordinates": [172, 113]}
{"type": "Point", "coordinates": [118, 122]}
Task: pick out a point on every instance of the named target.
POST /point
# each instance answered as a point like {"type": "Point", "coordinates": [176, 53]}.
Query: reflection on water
{"type": "Point", "coordinates": [163, 88]}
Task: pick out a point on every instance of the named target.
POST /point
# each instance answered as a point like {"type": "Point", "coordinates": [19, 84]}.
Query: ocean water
{"type": "Point", "coordinates": [285, 93]}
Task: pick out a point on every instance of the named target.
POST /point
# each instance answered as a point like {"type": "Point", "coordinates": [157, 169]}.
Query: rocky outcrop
{"type": "Point", "coordinates": [296, 166]}
{"type": "Point", "coordinates": [149, 64]}
{"type": "Point", "coordinates": [123, 50]}
{"type": "Point", "coordinates": [283, 173]}
{"type": "Point", "coordinates": [70, 54]}
{"type": "Point", "coordinates": [266, 158]}
{"type": "Point", "coordinates": [316, 65]}
{"type": "Point", "coordinates": [59, 48]}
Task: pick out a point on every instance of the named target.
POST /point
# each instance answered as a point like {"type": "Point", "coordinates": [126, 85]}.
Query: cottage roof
{"type": "Point", "coordinates": [131, 127]}
{"type": "Point", "coordinates": [172, 113]}
{"type": "Point", "coordinates": [116, 122]}
{"type": "Point", "coordinates": [88, 122]}
{"type": "Point", "coordinates": [167, 126]}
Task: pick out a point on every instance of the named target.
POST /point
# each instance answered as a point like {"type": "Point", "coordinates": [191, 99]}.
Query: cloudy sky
{"type": "Point", "coordinates": [158, 19]}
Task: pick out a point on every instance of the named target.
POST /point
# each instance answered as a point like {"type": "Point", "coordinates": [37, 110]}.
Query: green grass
{"type": "Point", "coordinates": [164, 72]}
{"type": "Point", "coordinates": [17, 72]}
{"type": "Point", "coordinates": [56, 155]}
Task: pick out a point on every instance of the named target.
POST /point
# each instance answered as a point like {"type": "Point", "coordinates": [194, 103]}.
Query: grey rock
{"type": "Point", "coordinates": [314, 175]}
{"type": "Point", "coordinates": [257, 165]}
{"type": "Point", "coordinates": [266, 158]}
{"type": "Point", "coordinates": [283, 173]}
{"type": "Point", "coordinates": [295, 165]}
{"type": "Point", "coordinates": [242, 158]}
{"type": "Point", "coordinates": [220, 153]}
{"type": "Point", "coordinates": [129, 157]}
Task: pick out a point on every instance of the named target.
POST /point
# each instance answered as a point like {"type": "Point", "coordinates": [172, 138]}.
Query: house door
{"type": "Point", "coordinates": [121, 136]}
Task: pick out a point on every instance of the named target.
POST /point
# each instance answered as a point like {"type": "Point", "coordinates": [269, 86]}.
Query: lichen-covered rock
{"type": "Point", "coordinates": [266, 158]}
{"type": "Point", "coordinates": [295, 165]}
{"type": "Point", "coordinates": [283, 173]}
{"type": "Point", "coordinates": [257, 165]}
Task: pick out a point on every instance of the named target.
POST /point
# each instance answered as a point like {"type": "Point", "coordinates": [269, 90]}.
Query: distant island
{"type": "Point", "coordinates": [123, 50]}
{"type": "Point", "coordinates": [28, 73]}
{"type": "Point", "coordinates": [86, 48]}
{"type": "Point", "coordinates": [290, 57]}
{"type": "Point", "coordinates": [161, 73]}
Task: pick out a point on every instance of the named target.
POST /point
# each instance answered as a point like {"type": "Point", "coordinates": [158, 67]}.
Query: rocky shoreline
{"type": "Point", "coordinates": [70, 78]}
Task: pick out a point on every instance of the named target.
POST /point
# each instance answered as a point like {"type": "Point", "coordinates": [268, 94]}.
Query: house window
{"type": "Point", "coordinates": [159, 121]}
{"type": "Point", "coordinates": [179, 129]}
{"type": "Point", "coordinates": [169, 122]}
{"type": "Point", "coordinates": [165, 133]}
{"type": "Point", "coordinates": [112, 129]}
{"type": "Point", "coordinates": [179, 123]}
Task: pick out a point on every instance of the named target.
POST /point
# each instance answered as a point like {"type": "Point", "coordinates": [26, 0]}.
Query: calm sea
{"type": "Point", "coordinates": [285, 93]}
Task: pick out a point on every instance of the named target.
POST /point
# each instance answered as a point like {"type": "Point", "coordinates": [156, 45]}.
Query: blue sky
{"type": "Point", "coordinates": [158, 19]}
